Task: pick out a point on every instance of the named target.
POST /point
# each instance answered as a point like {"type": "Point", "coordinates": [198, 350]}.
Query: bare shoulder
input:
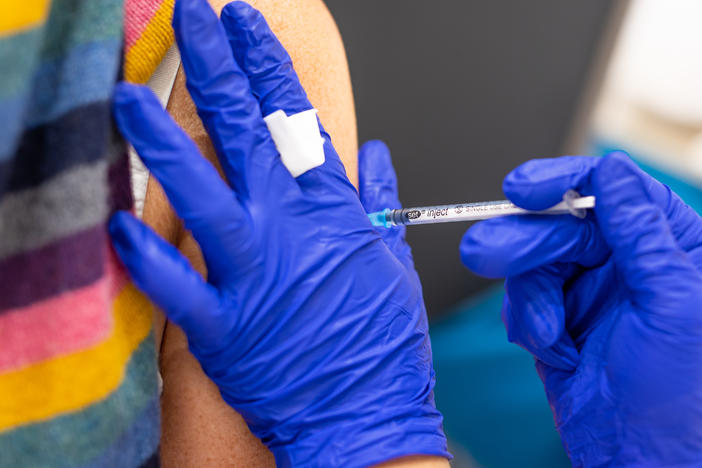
{"type": "Point", "coordinates": [311, 37]}
{"type": "Point", "coordinates": [309, 34]}
{"type": "Point", "coordinates": [199, 428]}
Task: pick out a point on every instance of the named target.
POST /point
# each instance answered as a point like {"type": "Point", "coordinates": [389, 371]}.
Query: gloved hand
{"type": "Point", "coordinates": [310, 326]}
{"type": "Point", "coordinates": [378, 191]}
{"type": "Point", "coordinates": [610, 306]}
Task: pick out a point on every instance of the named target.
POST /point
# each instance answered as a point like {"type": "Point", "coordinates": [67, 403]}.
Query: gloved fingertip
{"type": "Point", "coordinates": [253, 41]}
{"type": "Point", "coordinates": [264, 60]}
{"type": "Point", "coordinates": [621, 156]}
{"type": "Point", "coordinates": [239, 13]}
{"type": "Point", "coordinates": [129, 239]}
{"type": "Point", "coordinates": [377, 178]}
{"type": "Point", "coordinates": [615, 165]}
{"type": "Point", "coordinates": [128, 99]}
{"type": "Point", "coordinates": [619, 164]}
{"type": "Point", "coordinates": [375, 147]}
{"type": "Point", "coordinates": [191, 16]}
{"type": "Point", "coordinates": [479, 258]}
{"type": "Point", "coordinates": [124, 92]}
{"type": "Point", "coordinates": [541, 183]}
{"type": "Point", "coordinates": [519, 189]}
{"type": "Point", "coordinates": [375, 162]}
{"type": "Point", "coordinates": [524, 186]}
{"type": "Point", "coordinates": [546, 328]}
{"type": "Point", "coordinates": [191, 9]}
{"type": "Point", "coordinates": [179, 8]}
{"type": "Point", "coordinates": [120, 227]}
{"type": "Point", "coordinates": [468, 248]}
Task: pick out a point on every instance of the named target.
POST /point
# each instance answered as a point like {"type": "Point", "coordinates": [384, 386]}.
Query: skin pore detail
{"type": "Point", "coordinates": [198, 428]}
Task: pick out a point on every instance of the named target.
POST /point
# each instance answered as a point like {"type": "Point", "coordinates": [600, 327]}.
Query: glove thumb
{"type": "Point", "coordinates": [376, 177]}
{"type": "Point", "coordinates": [377, 187]}
{"type": "Point", "coordinates": [647, 256]}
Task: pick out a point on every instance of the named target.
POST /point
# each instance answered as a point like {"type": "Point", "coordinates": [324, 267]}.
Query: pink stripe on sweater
{"type": "Point", "coordinates": [138, 14]}
{"type": "Point", "coordinates": [63, 324]}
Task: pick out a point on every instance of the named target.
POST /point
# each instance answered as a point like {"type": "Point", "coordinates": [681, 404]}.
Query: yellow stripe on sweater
{"type": "Point", "coordinates": [19, 15]}
{"type": "Point", "coordinates": [143, 57]}
{"type": "Point", "coordinates": [70, 383]}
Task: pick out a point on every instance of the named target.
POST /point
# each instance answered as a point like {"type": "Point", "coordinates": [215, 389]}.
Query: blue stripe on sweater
{"type": "Point", "coordinates": [11, 112]}
{"type": "Point", "coordinates": [57, 93]}
{"type": "Point", "coordinates": [56, 90]}
{"type": "Point", "coordinates": [136, 445]}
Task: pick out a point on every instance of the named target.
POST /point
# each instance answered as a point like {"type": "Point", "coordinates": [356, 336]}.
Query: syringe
{"type": "Point", "coordinates": [572, 203]}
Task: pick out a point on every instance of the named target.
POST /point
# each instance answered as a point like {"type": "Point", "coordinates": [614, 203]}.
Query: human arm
{"type": "Point", "coordinates": [608, 305]}
{"type": "Point", "coordinates": [199, 428]}
{"type": "Point", "coordinates": [378, 190]}
{"type": "Point", "coordinates": [325, 363]}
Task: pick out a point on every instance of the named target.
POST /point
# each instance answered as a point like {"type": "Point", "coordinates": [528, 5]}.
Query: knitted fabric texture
{"type": "Point", "coordinates": [148, 35]}
{"type": "Point", "coordinates": [78, 374]}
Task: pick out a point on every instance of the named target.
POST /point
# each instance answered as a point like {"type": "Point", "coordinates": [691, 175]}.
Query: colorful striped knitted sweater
{"type": "Point", "coordinates": [78, 375]}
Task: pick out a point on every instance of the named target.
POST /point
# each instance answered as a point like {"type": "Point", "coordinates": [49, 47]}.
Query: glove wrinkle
{"type": "Point", "coordinates": [626, 287]}
{"type": "Point", "coordinates": [311, 326]}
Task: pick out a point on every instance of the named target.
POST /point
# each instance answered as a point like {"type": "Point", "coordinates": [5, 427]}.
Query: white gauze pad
{"type": "Point", "coordinates": [298, 140]}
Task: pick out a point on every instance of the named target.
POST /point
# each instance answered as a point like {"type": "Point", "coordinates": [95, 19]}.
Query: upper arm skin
{"type": "Point", "coordinates": [199, 428]}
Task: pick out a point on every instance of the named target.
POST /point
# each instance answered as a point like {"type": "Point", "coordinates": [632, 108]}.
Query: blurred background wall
{"type": "Point", "coordinates": [463, 91]}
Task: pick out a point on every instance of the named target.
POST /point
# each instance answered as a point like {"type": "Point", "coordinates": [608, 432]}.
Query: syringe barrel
{"type": "Point", "coordinates": [572, 204]}
{"type": "Point", "coordinates": [450, 213]}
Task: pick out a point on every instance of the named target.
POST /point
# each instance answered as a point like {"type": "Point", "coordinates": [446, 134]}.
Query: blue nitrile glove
{"type": "Point", "coordinates": [309, 325]}
{"type": "Point", "coordinates": [611, 306]}
{"type": "Point", "coordinates": [378, 190]}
